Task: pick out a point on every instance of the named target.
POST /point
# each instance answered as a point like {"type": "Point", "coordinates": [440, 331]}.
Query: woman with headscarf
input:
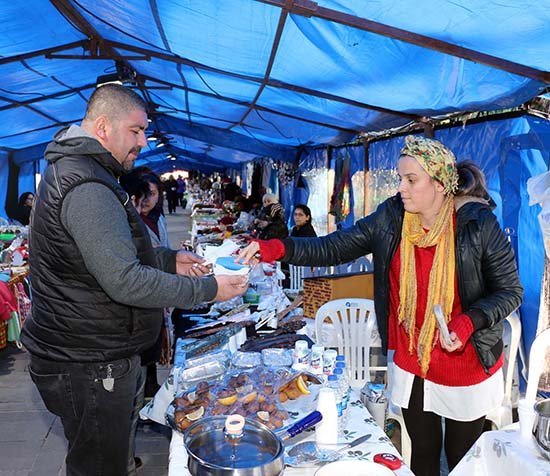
{"type": "Point", "coordinates": [271, 221]}
{"type": "Point", "coordinates": [435, 242]}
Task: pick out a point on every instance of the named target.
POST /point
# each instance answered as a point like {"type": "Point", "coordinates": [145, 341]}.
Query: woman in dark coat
{"type": "Point", "coordinates": [302, 219]}
{"type": "Point", "coordinates": [436, 244]}
{"type": "Point", "coordinates": [24, 208]}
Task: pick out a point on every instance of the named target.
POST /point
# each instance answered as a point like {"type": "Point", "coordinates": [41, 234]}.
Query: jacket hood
{"type": "Point", "coordinates": [75, 141]}
{"type": "Point", "coordinates": [465, 199]}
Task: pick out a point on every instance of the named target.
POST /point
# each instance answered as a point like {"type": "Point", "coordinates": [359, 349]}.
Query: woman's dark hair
{"type": "Point", "coordinates": [471, 180]}
{"type": "Point", "coordinates": [305, 209]}
{"type": "Point", "coordinates": [154, 179]}
{"type": "Point", "coordinates": [23, 198]}
{"type": "Point", "coordinates": [135, 186]}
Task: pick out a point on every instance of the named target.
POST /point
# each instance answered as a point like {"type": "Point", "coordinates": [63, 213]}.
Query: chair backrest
{"type": "Point", "coordinates": [353, 322]}
{"type": "Point", "coordinates": [296, 277]}
{"type": "Point", "coordinates": [537, 357]}
{"type": "Point", "coordinates": [511, 347]}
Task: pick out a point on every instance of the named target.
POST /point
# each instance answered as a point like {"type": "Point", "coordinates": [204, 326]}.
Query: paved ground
{"type": "Point", "coordinates": [31, 438]}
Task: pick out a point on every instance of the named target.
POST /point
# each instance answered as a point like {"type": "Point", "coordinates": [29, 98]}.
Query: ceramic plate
{"type": "Point", "coordinates": [354, 468]}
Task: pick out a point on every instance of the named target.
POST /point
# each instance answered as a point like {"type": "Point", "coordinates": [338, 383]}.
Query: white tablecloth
{"type": "Point", "coordinates": [503, 453]}
{"type": "Point", "coordinates": [359, 423]}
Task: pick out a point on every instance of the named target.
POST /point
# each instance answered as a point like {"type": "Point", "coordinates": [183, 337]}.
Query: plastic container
{"type": "Point", "coordinates": [316, 360]}
{"type": "Point", "coordinates": [329, 360]}
{"type": "Point", "coordinates": [277, 357]}
{"type": "Point", "coordinates": [301, 355]}
{"type": "Point", "coordinates": [326, 432]}
{"type": "Point", "coordinates": [333, 383]}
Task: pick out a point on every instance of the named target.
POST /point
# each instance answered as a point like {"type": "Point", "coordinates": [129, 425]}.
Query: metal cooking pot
{"type": "Point", "coordinates": [541, 429]}
{"type": "Point", "coordinates": [235, 446]}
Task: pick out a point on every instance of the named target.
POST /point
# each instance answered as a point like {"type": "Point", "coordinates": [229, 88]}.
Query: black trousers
{"type": "Point", "coordinates": [98, 424]}
{"type": "Point", "coordinates": [426, 434]}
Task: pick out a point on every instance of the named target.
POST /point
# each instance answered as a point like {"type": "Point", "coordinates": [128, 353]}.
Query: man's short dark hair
{"type": "Point", "coordinates": [112, 100]}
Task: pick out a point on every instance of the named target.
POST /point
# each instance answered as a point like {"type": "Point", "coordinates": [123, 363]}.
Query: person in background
{"type": "Point", "coordinates": [181, 192]}
{"type": "Point", "coordinates": [271, 221]}
{"type": "Point", "coordinates": [435, 242]}
{"type": "Point", "coordinates": [24, 208]}
{"type": "Point", "coordinates": [171, 188]}
{"type": "Point", "coordinates": [99, 286]}
{"type": "Point", "coordinates": [148, 203]}
{"type": "Point", "coordinates": [136, 188]}
{"type": "Point", "coordinates": [152, 212]}
{"type": "Point", "coordinates": [302, 219]}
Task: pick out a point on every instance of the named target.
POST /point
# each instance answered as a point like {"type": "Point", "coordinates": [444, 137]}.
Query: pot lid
{"type": "Point", "coordinates": [232, 442]}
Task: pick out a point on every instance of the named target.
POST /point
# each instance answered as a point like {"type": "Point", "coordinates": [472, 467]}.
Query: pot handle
{"type": "Point", "coordinates": [307, 422]}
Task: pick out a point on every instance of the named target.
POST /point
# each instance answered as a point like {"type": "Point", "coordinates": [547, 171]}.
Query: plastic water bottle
{"type": "Point", "coordinates": [343, 393]}
{"type": "Point", "coordinates": [333, 383]}
{"type": "Point", "coordinates": [346, 392]}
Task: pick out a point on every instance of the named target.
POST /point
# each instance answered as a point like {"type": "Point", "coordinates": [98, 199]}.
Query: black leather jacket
{"type": "Point", "coordinates": [488, 280]}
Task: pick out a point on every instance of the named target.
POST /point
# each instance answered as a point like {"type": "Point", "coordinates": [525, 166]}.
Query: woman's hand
{"type": "Point", "coordinates": [249, 255]}
{"type": "Point", "coordinates": [455, 345]}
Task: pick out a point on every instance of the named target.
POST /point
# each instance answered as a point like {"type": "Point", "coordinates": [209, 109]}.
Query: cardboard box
{"type": "Point", "coordinates": [322, 289]}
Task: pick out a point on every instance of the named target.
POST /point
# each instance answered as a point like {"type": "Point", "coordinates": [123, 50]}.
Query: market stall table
{"type": "Point", "coordinates": [503, 453]}
{"type": "Point", "coordinates": [359, 422]}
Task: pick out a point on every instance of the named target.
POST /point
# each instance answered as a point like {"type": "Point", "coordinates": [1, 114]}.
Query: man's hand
{"type": "Point", "coordinates": [189, 264]}
{"type": "Point", "coordinates": [249, 255]}
{"type": "Point", "coordinates": [230, 286]}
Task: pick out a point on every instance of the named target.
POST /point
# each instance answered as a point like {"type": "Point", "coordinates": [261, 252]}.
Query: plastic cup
{"type": "Point", "coordinates": [377, 411]}
{"type": "Point", "coordinates": [526, 413]}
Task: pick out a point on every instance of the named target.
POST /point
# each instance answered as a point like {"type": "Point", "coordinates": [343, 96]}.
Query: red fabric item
{"type": "Point", "coordinates": [271, 250]}
{"type": "Point", "coordinates": [459, 368]}
{"type": "Point", "coordinates": [462, 326]}
{"type": "Point", "coordinates": [8, 303]}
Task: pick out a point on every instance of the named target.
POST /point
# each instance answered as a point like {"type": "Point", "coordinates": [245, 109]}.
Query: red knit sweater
{"type": "Point", "coordinates": [459, 368]}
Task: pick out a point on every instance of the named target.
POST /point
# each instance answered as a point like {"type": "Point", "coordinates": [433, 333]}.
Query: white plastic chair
{"type": "Point", "coordinates": [537, 360]}
{"type": "Point", "coordinates": [353, 323]}
{"type": "Point", "coordinates": [296, 277]}
{"type": "Point", "coordinates": [502, 416]}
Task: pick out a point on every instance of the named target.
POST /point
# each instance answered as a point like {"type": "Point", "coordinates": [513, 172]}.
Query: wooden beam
{"type": "Point", "coordinates": [273, 83]}
{"type": "Point", "coordinates": [256, 106]}
{"type": "Point", "coordinates": [59, 94]}
{"type": "Point", "coordinates": [43, 52]}
{"type": "Point", "coordinates": [312, 9]}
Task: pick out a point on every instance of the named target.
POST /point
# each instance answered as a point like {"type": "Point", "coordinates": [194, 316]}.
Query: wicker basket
{"type": "Point", "coordinates": [320, 290]}
{"type": "Point", "coordinates": [3, 334]}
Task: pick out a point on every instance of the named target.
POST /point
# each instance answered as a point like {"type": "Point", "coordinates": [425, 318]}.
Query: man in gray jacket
{"type": "Point", "coordinates": [99, 286]}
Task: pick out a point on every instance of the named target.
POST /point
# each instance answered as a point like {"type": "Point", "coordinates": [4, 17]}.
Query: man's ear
{"type": "Point", "coordinates": [101, 126]}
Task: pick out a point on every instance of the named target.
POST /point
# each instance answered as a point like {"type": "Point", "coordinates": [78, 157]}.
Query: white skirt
{"type": "Point", "coordinates": [465, 403]}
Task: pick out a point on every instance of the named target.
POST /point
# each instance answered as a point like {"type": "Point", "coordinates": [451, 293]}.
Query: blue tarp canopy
{"type": "Point", "coordinates": [228, 82]}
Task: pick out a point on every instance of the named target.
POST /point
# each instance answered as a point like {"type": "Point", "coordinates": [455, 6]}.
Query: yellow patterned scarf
{"type": "Point", "coordinates": [442, 277]}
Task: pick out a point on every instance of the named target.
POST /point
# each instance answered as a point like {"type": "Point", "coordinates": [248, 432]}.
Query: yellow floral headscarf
{"type": "Point", "coordinates": [438, 161]}
{"type": "Point", "coordinates": [440, 164]}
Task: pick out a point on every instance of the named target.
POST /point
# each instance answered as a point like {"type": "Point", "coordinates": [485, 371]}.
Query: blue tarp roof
{"type": "Point", "coordinates": [231, 81]}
